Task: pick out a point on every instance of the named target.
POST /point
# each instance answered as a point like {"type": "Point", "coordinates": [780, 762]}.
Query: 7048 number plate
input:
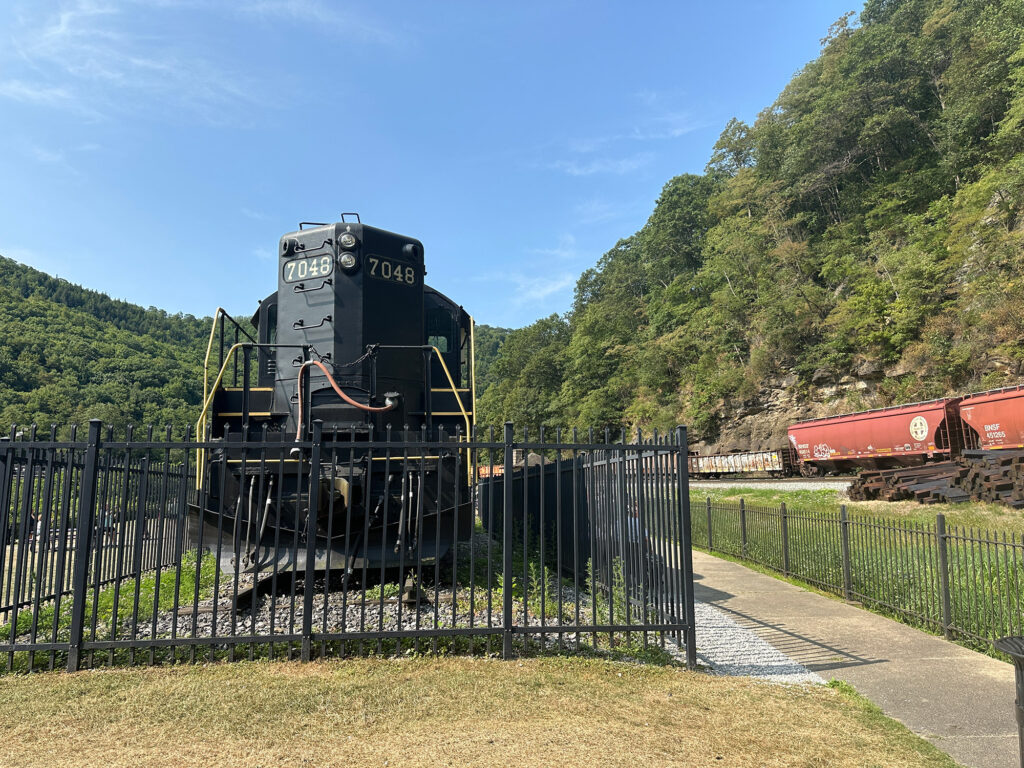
{"type": "Point", "coordinates": [385, 269]}
{"type": "Point", "coordinates": [311, 266]}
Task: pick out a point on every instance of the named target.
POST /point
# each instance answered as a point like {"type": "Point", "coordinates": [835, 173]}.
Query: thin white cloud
{"type": "Point", "coordinates": [616, 166]}
{"type": "Point", "coordinates": [57, 157]}
{"type": "Point", "coordinates": [614, 153]}
{"type": "Point", "coordinates": [48, 156]}
{"type": "Point", "coordinates": [668, 126]}
{"type": "Point", "coordinates": [564, 251]}
{"type": "Point", "coordinates": [532, 289]}
{"type": "Point", "coordinates": [647, 97]}
{"type": "Point", "coordinates": [595, 211]}
{"type": "Point", "coordinates": [33, 93]}
{"type": "Point", "coordinates": [263, 254]}
{"type": "Point", "coordinates": [329, 17]}
{"type": "Point", "coordinates": [85, 59]}
{"type": "Point", "coordinates": [592, 144]}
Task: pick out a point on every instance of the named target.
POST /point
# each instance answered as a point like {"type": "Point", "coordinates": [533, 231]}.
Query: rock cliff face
{"type": "Point", "coordinates": [761, 422]}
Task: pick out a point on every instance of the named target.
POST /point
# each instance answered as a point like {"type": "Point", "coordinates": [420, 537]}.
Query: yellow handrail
{"type": "Point", "coordinates": [451, 383]}
{"type": "Point", "coordinates": [206, 359]}
{"type": "Point", "coordinates": [469, 428]}
{"type": "Point", "coordinates": [207, 401]}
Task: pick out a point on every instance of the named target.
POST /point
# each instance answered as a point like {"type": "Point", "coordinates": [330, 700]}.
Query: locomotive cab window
{"type": "Point", "coordinates": [272, 324]}
{"type": "Point", "coordinates": [441, 330]}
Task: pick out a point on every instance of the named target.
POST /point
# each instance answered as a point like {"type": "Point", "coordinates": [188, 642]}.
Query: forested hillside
{"type": "Point", "coordinates": [68, 355]}
{"type": "Point", "coordinates": [861, 243]}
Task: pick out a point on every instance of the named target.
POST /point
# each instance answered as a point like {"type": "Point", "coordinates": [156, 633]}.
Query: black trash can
{"type": "Point", "coordinates": [1014, 648]}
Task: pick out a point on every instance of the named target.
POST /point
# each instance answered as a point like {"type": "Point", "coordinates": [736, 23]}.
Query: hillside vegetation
{"type": "Point", "coordinates": [869, 219]}
{"type": "Point", "coordinates": [68, 354]}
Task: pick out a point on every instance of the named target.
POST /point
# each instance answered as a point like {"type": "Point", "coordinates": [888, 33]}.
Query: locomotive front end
{"type": "Point", "coordinates": [347, 358]}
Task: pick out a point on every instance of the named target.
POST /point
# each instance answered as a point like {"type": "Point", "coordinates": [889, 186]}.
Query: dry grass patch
{"type": "Point", "coordinates": [429, 712]}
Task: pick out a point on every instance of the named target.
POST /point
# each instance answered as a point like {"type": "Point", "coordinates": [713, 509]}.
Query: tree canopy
{"type": "Point", "coordinates": [68, 355]}
{"type": "Point", "coordinates": [871, 215]}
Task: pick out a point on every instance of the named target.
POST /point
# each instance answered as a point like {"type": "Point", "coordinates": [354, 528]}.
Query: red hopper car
{"type": "Point", "coordinates": [898, 436]}
{"type": "Point", "coordinates": [901, 435]}
{"type": "Point", "coordinates": [995, 419]}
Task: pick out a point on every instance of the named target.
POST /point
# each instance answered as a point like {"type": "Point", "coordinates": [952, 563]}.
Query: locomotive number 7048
{"type": "Point", "coordinates": [383, 269]}
{"type": "Point", "coordinates": [312, 266]}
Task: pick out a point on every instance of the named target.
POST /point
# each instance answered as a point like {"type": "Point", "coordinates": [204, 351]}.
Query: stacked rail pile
{"type": "Point", "coordinates": [928, 484]}
{"type": "Point", "coordinates": [996, 476]}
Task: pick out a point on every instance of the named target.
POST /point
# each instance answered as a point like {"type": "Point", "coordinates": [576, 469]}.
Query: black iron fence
{"type": "Point", "coordinates": [964, 582]}
{"type": "Point", "coordinates": [140, 550]}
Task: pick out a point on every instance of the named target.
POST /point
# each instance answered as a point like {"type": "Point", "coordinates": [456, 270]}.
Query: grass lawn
{"type": "Point", "coordinates": [449, 711]}
{"type": "Point", "coordinates": [992, 517]}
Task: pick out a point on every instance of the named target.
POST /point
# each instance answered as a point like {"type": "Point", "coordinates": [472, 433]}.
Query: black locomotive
{"type": "Point", "coordinates": [352, 342]}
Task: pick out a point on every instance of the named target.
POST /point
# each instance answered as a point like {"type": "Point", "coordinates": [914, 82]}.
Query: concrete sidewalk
{"type": "Point", "coordinates": [960, 700]}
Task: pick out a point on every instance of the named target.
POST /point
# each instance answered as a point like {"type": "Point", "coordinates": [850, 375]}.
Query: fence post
{"type": "Point", "coordinates": [311, 515]}
{"type": "Point", "coordinates": [6, 473]}
{"type": "Point", "coordinates": [785, 539]}
{"type": "Point", "coordinates": [940, 539]}
{"type": "Point", "coordinates": [707, 507]}
{"type": "Point", "coordinates": [743, 528]}
{"type": "Point", "coordinates": [683, 481]}
{"type": "Point", "coordinates": [141, 523]}
{"type": "Point", "coordinates": [83, 541]}
{"type": "Point", "coordinates": [844, 535]}
{"type": "Point", "coordinates": [506, 546]}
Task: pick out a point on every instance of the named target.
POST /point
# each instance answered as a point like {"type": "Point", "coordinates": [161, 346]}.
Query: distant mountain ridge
{"type": "Point", "coordinates": [27, 281]}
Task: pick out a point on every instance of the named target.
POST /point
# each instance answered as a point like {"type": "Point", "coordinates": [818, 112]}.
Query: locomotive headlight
{"type": "Point", "coordinates": [347, 240]}
{"type": "Point", "coordinates": [347, 261]}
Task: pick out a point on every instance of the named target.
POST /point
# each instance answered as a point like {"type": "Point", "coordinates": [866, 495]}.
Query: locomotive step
{"type": "Point", "coordinates": [230, 402]}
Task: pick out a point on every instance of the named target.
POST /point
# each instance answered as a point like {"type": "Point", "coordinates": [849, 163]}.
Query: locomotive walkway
{"type": "Point", "coordinates": [960, 700]}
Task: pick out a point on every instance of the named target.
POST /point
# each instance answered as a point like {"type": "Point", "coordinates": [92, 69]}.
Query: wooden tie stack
{"type": "Point", "coordinates": [996, 476]}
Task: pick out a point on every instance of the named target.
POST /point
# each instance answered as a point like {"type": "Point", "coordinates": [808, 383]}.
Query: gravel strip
{"type": "Point", "coordinates": [838, 484]}
{"type": "Point", "coordinates": [730, 649]}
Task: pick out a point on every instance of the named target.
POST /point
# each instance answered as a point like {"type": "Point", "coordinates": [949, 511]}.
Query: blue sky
{"type": "Point", "coordinates": [156, 150]}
